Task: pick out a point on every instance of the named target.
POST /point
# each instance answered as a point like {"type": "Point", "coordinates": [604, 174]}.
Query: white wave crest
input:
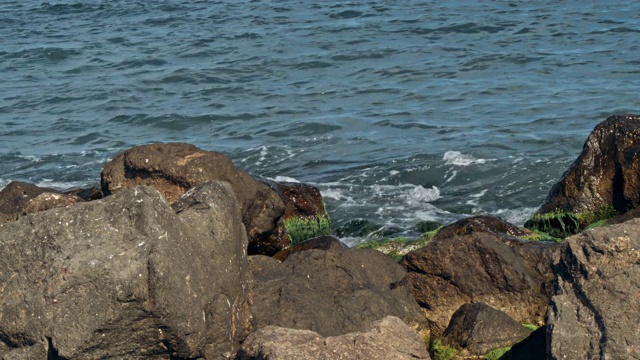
{"type": "Point", "coordinates": [459, 159]}
{"type": "Point", "coordinates": [419, 194]}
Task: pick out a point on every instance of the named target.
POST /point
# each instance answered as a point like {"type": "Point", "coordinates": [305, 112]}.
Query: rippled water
{"type": "Point", "coordinates": [398, 111]}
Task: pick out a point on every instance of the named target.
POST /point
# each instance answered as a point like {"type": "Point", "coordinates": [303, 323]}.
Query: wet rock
{"type": "Point", "coordinates": [477, 328]}
{"type": "Point", "coordinates": [331, 292]}
{"type": "Point", "coordinates": [595, 312]}
{"type": "Point", "coordinates": [388, 338]}
{"type": "Point", "coordinates": [466, 262]}
{"type": "Point", "coordinates": [126, 277]}
{"type": "Point", "coordinates": [490, 224]}
{"type": "Point", "coordinates": [602, 182]}
{"type": "Point", "coordinates": [304, 218]}
{"type": "Point", "coordinates": [87, 194]}
{"type": "Point", "coordinates": [174, 168]}
{"type": "Point", "coordinates": [20, 198]}
{"type": "Point", "coordinates": [318, 243]}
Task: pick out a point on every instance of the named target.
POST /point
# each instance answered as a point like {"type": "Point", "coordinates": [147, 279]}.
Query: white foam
{"type": "Point", "coordinates": [422, 194]}
{"type": "Point", "coordinates": [281, 178]}
{"type": "Point", "coordinates": [459, 159]}
{"type": "Point", "coordinates": [516, 216]}
{"type": "Point", "coordinates": [50, 183]}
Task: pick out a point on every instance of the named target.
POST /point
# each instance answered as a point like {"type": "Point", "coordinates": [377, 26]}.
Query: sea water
{"type": "Point", "coordinates": [399, 111]}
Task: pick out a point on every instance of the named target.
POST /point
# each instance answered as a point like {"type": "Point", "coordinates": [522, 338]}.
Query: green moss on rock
{"type": "Point", "coordinates": [561, 224]}
{"type": "Point", "coordinates": [398, 247]}
{"type": "Point", "coordinates": [497, 353]}
{"type": "Point", "coordinates": [300, 229]}
{"type": "Point", "coordinates": [440, 351]}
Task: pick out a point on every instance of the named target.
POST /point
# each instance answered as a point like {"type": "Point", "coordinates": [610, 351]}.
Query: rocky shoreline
{"type": "Point", "coordinates": [178, 254]}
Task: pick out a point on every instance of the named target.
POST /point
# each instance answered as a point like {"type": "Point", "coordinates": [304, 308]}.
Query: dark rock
{"type": "Point", "coordinates": [388, 338]}
{"type": "Point", "coordinates": [304, 218]}
{"type": "Point", "coordinates": [469, 263]}
{"type": "Point", "coordinates": [602, 182]}
{"type": "Point", "coordinates": [331, 292]}
{"type": "Point", "coordinates": [532, 348]}
{"type": "Point", "coordinates": [477, 328]}
{"type": "Point", "coordinates": [595, 311]}
{"type": "Point", "coordinates": [87, 194]}
{"type": "Point", "coordinates": [474, 224]}
{"type": "Point", "coordinates": [126, 277]}
{"type": "Point", "coordinates": [174, 168]}
{"type": "Point", "coordinates": [427, 226]}
{"type": "Point", "coordinates": [19, 198]}
{"type": "Point", "coordinates": [318, 243]}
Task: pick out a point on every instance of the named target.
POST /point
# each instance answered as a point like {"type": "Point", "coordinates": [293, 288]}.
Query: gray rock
{"type": "Point", "coordinates": [125, 277]}
{"type": "Point", "coordinates": [174, 168]}
{"type": "Point", "coordinates": [385, 339]}
{"type": "Point", "coordinates": [474, 263]}
{"type": "Point", "coordinates": [595, 311]}
{"type": "Point", "coordinates": [477, 328]}
{"type": "Point", "coordinates": [331, 292]}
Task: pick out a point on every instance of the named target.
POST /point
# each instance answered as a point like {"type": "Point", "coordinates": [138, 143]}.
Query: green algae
{"type": "Point", "coordinates": [442, 352]}
{"type": "Point", "coordinates": [560, 224]}
{"type": "Point", "coordinates": [398, 247]}
{"type": "Point", "coordinates": [300, 229]}
{"type": "Point", "coordinates": [497, 353]}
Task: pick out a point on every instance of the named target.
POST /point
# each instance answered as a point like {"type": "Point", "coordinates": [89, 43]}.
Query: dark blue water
{"type": "Point", "coordinates": [398, 111]}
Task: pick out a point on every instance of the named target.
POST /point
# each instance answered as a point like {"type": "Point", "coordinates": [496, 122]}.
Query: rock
{"type": "Point", "coordinates": [304, 218]}
{"type": "Point", "coordinates": [318, 243]}
{"type": "Point", "coordinates": [87, 194]}
{"type": "Point", "coordinates": [595, 312]}
{"type": "Point", "coordinates": [532, 348]}
{"type": "Point", "coordinates": [331, 292]}
{"type": "Point", "coordinates": [477, 328]}
{"type": "Point", "coordinates": [388, 338]}
{"type": "Point", "coordinates": [465, 262]}
{"type": "Point", "coordinates": [602, 182]}
{"type": "Point", "coordinates": [19, 198]}
{"type": "Point", "coordinates": [174, 168]}
{"type": "Point", "coordinates": [126, 277]}
{"type": "Point", "coordinates": [490, 224]}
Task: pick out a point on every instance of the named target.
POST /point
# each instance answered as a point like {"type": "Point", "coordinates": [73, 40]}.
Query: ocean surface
{"type": "Point", "coordinates": [399, 111]}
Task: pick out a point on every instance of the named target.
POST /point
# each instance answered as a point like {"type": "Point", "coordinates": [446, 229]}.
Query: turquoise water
{"type": "Point", "coordinates": [397, 111]}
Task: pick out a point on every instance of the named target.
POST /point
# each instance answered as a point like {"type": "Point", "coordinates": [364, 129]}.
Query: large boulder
{"type": "Point", "coordinates": [595, 311]}
{"type": "Point", "coordinates": [331, 292]}
{"type": "Point", "coordinates": [126, 277]}
{"type": "Point", "coordinates": [476, 329]}
{"type": "Point", "coordinates": [602, 182]}
{"type": "Point", "coordinates": [20, 198]}
{"type": "Point", "coordinates": [385, 339]}
{"type": "Point", "coordinates": [468, 262]}
{"type": "Point", "coordinates": [174, 168]}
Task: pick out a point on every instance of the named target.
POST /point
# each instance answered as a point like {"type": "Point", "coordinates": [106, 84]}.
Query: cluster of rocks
{"type": "Point", "coordinates": [178, 254]}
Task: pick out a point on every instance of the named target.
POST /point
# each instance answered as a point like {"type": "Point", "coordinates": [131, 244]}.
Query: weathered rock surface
{"type": "Point", "coordinates": [331, 292]}
{"type": "Point", "coordinates": [603, 180]}
{"type": "Point", "coordinates": [20, 198]}
{"type": "Point", "coordinates": [126, 277]}
{"type": "Point", "coordinates": [460, 266]}
{"type": "Point", "coordinates": [595, 311]}
{"type": "Point", "coordinates": [174, 168]}
{"type": "Point", "coordinates": [385, 339]}
{"type": "Point", "coordinates": [304, 217]}
{"type": "Point", "coordinates": [477, 328]}
{"type": "Point", "coordinates": [318, 243]}
{"type": "Point", "coordinates": [487, 224]}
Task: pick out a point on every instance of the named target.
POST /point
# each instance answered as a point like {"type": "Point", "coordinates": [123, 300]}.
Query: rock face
{"type": "Point", "coordinates": [534, 347]}
{"type": "Point", "coordinates": [511, 275]}
{"type": "Point", "coordinates": [595, 311]}
{"type": "Point", "coordinates": [304, 218]}
{"type": "Point", "coordinates": [319, 243]}
{"type": "Point", "coordinates": [385, 339]}
{"type": "Point", "coordinates": [126, 277]}
{"type": "Point", "coordinates": [478, 328]}
{"type": "Point", "coordinates": [604, 180]}
{"type": "Point", "coordinates": [19, 198]}
{"type": "Point", "coordinates": [172, 169]}
{"type": "Point", "coordinates": [331, 292]}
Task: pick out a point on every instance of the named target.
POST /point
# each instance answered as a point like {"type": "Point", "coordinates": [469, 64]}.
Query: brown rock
{"type": "Point", "coordinates": [477, 328]}
{"type": "Point", "coordinates": [19, 198]}
{"type": "Point", "coordinates": [595, 311]}
{"type": "Point", "coordinates": [511, 275]}
{"type": "Point", "coordinates": [482, 223]}
{"type": "Point", "coordinates": [386, 339]}
{"type": "Point", "coordinates": [605, 174]}
{"type": "Point", "coordinates": [331, 292]}
{"type": "Point", "coordinates": [174, 168]}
